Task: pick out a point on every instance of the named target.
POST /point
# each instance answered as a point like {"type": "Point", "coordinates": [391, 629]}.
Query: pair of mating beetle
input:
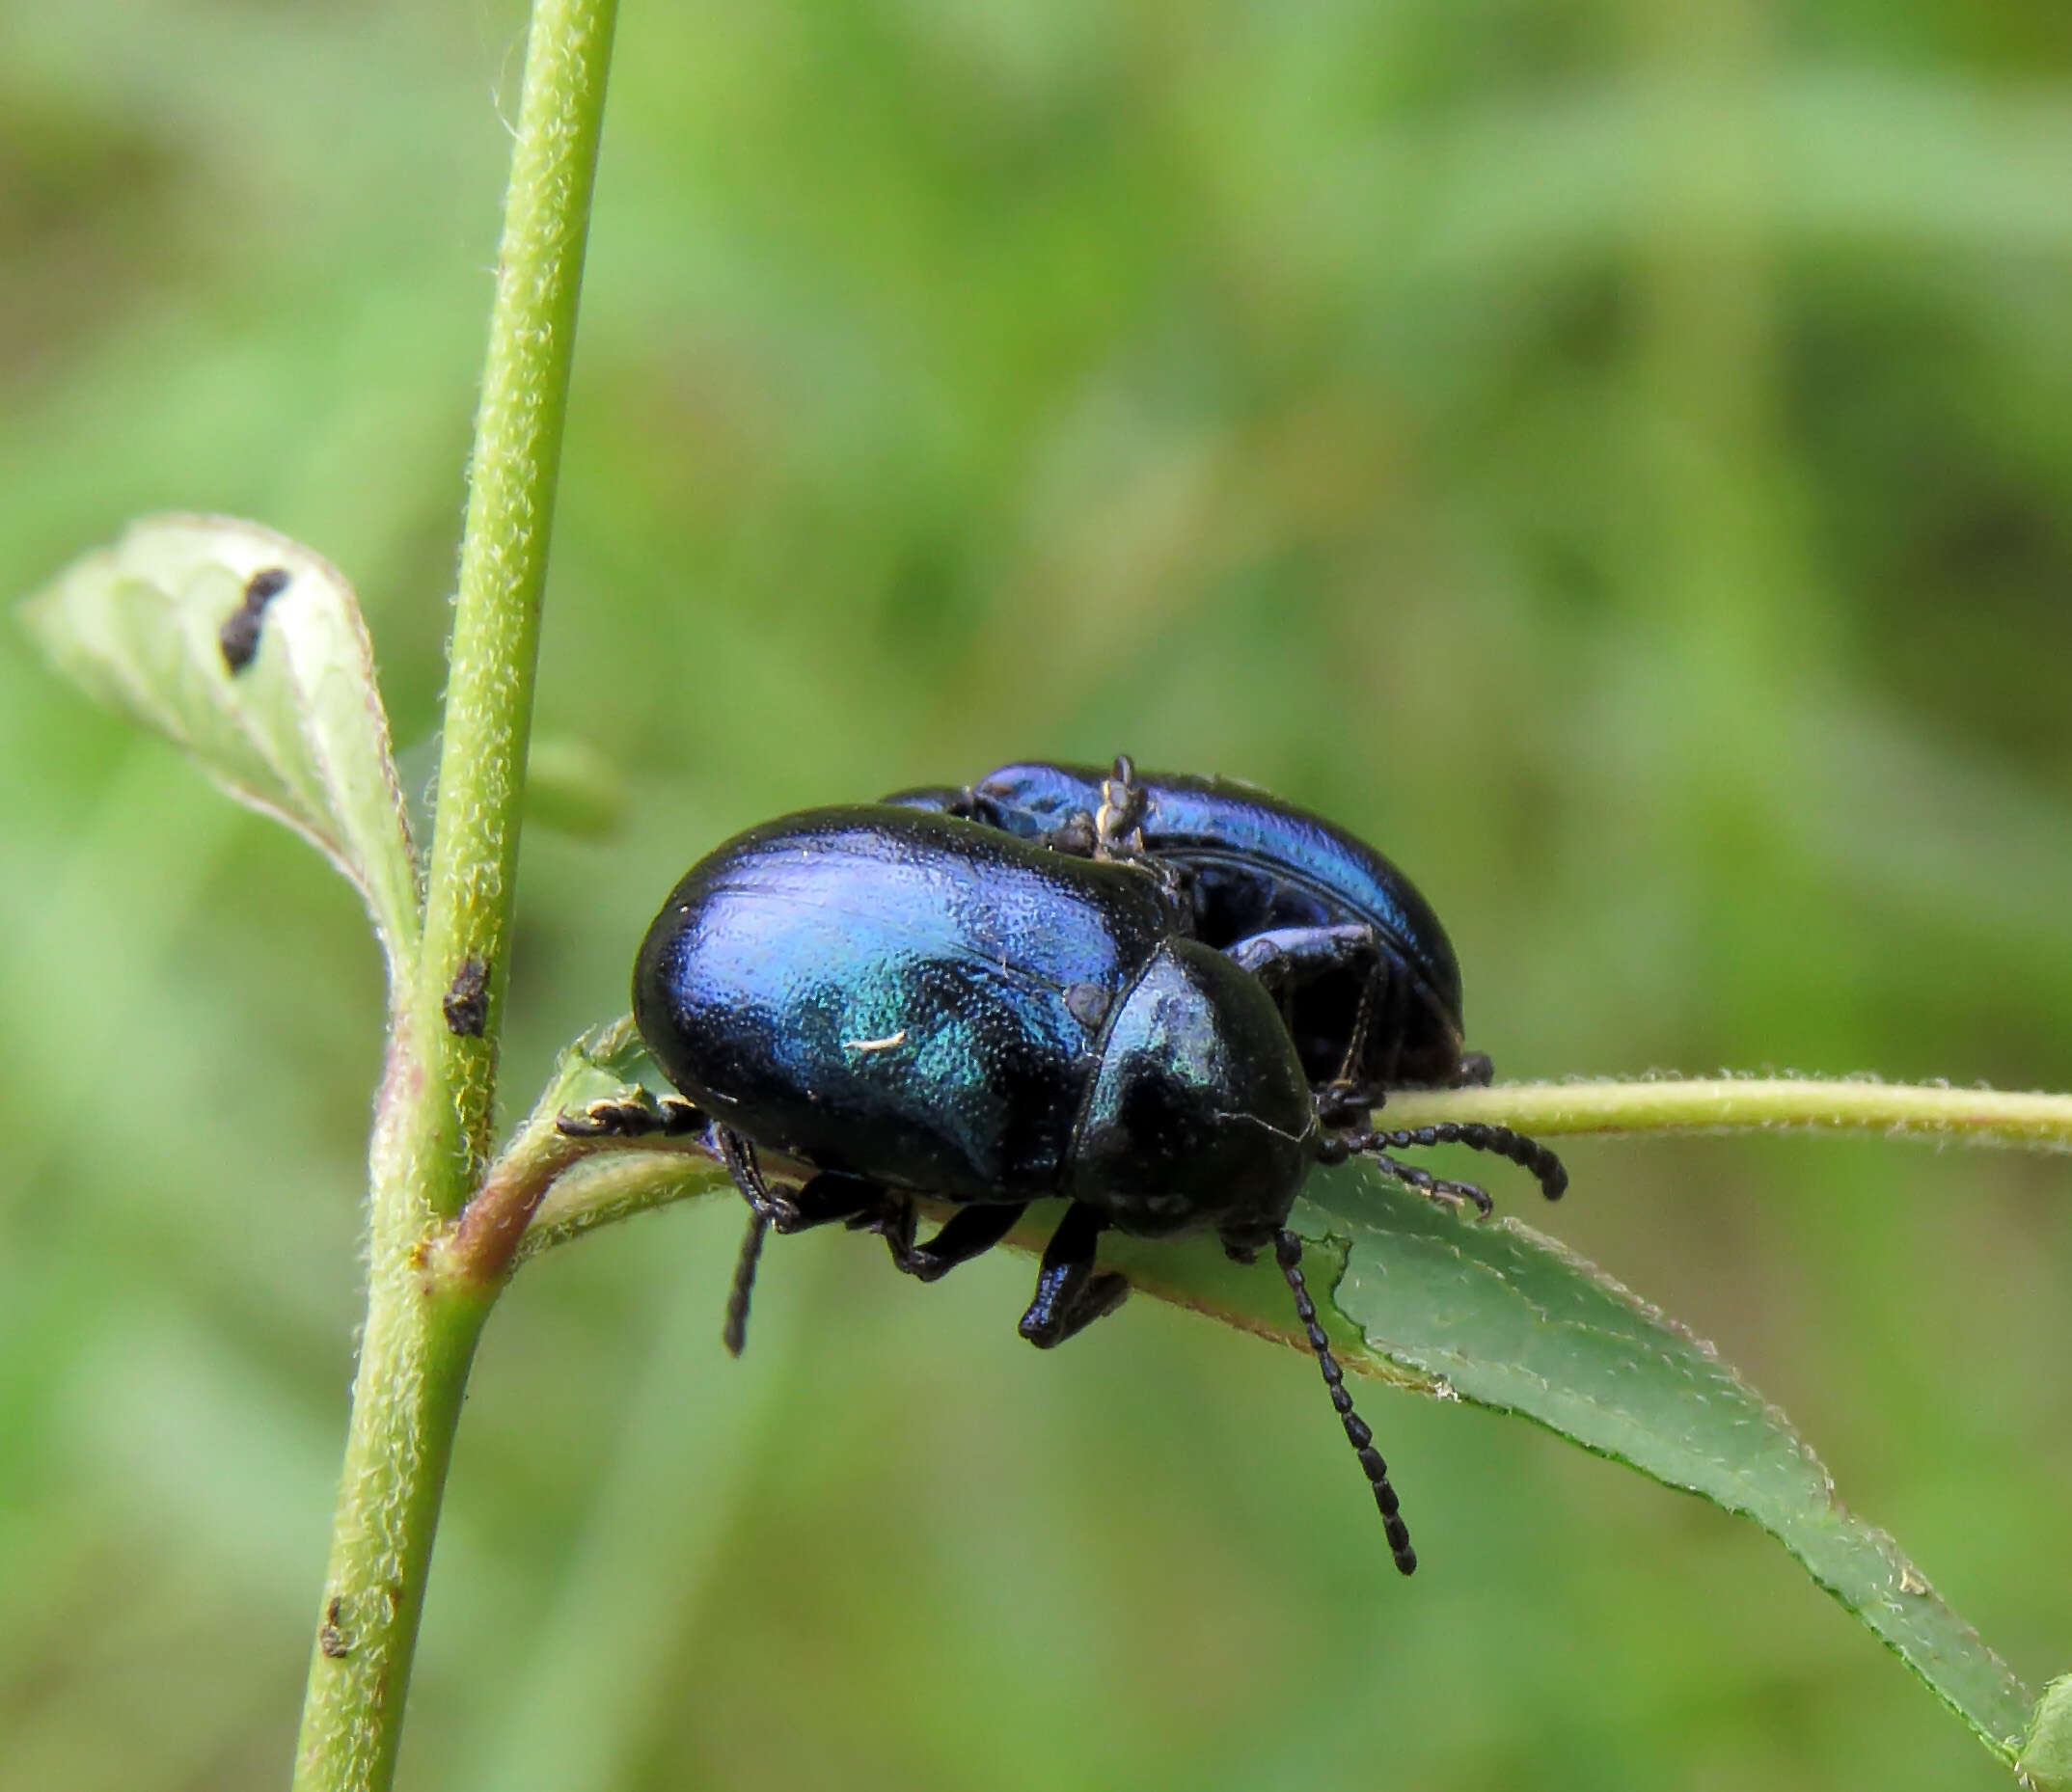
{"type": "Point", "coordinates": [1160, 997]}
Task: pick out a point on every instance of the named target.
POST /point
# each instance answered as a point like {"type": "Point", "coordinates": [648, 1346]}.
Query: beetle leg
{"type": "Point", "coordinates": [1363, 1021]}
{"type": "Point", "coordinates": [967, 1233]}
{"type": "Point", "coordinates": [739, 1157]}
{"type": "Point", "coordinates": [1074, 837]}
{"type": "Point", "coordinates": [1096, 1299]}
{"type": "Point", "coordinates": [869, 1207]}
{"type": "Point", "coordinates": [820, 1201]}
{"type": "Point", "coordinates": [1394, 1017]}
{"type": "Point", "coordinates": [1287, 959]}
{"type": "Point", "coordinates": [1119, 825]}
{"type": "Point", "coordinates": [1475, 1072]}
{"type": "Point", "coordinates": [824, 1199]}
{"type": "Point", "coordinates": [829, 1197]}
{"type": "Point", "coordinates": [1288, 1253]}
{"type": "Point", "coordinates": [638, 1115]}
{"type": "Point", "coordinates": [1069, 1295]}
{"type": "Point", "coordinates": [1284, 955]}
{"type": "Point", "coordinates": [1243, 1244]}
{"type": "Point", "coordinates": [1346, 1104]}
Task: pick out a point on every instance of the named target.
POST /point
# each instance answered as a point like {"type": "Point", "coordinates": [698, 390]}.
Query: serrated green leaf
{"type": "Point", "coordinates": [1493, 1314]}
{"type": "Point", "coordinates": [1500, 1316]}
{"type": "Point", "coordinates": [297, 731]}
{"type": "Point", "coordinates": [606, 1061]}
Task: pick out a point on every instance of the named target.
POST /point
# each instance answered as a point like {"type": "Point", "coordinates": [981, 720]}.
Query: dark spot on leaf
{"type": "Point", "coordinates": [239, 635]}
{"type": "Point", "coordinates": [264, 585]}
{"type": "Point", "coordinates": [467, 1000]}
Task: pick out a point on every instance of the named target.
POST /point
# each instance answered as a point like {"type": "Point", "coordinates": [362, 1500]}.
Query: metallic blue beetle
{"type": "Point", "coordinates": [1367, 980]}
{"type": "Point", "coordinates": [912, 1005]}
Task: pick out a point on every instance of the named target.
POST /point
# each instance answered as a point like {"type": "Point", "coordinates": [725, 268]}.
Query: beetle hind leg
{"type": "Point", "coordinates": [1119, 822]}
{"type": "Point", "coordinates": [969, 1233]}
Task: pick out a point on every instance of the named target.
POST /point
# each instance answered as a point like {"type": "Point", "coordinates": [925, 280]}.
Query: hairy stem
{"type": "Point", "coordinates": [432, 1122]}
{"type": "Point", "coordinates": [414, 1358]}
{"type": "Point", "coordinates": [619, 1178]}
{"type": "Point", "coordinates": [517, 458]}
{"type": "Point", "coordinates": [1737, 1103]}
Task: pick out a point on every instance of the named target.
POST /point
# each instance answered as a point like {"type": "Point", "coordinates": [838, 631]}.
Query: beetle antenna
{"type": "Point", "coordinates": [1439, 1189]}
{"type": "Point", "coordinates": [1288, 1253]}
{"type": "Point", "coordinates": [1527, 1154]}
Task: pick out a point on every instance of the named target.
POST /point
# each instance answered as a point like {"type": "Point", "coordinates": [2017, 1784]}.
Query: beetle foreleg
{"type": "Point", "coordinates": [1069, 1295]}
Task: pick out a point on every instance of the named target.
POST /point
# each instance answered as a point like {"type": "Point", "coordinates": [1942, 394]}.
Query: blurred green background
{"type": "Point", "coordinates": [1615, 454]}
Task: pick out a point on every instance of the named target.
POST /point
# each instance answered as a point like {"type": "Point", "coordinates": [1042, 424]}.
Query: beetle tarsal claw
{"type": "Point", "coordinates": [638, 1115]}
{"type": "Point", "coordinates": [616, 1117]}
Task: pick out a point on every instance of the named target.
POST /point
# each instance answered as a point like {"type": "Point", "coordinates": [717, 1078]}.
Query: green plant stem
{"type": "Point", "coordinates": [1737, 1103]}
{"type": "Point", "coordinates": [511, 479]}
{"type": "Point", "coordinates": [432, 1119]}
{"type": "Point", "coordinates": [616, 1187]}
{"type": "Point", "coordinates": [414, 1358]}
{"type": "Point", "coordinates": [619, 1178]}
